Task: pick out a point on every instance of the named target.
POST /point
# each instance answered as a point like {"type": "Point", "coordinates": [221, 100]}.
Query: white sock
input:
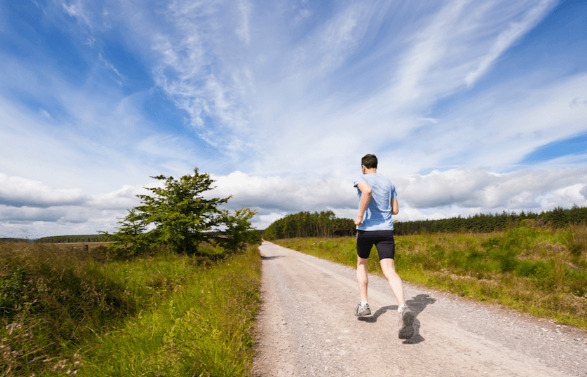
{"type": "Point", "coordinates": [363, 303]}
{"type": "Point", "coordinates": [402, 308]}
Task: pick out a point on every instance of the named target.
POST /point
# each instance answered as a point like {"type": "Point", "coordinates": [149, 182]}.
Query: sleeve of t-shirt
{"type": "Point", "coordinates": [358, 180]}
{"type": "Point", "coordinates": [393, 192]}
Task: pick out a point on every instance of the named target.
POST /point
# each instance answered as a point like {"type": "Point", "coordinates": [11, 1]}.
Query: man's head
{"type": "Point", "coordinates": [369, 161]}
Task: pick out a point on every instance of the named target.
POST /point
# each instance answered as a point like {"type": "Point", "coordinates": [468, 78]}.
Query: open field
{"type": "Point", "coordinates": [533, 269]}
{"type": "Point", "coordinates": [65, 310]}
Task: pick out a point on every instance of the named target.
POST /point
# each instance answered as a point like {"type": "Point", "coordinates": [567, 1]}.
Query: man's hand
{"type": "Point", "coordinates": [359, 220]}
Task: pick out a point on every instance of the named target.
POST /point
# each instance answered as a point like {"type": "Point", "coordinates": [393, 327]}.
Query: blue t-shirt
{"type": "Point", "coordinates": [378, 214]}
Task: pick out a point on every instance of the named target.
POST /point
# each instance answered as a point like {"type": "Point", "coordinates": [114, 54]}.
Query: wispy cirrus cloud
{"type": "Point", "coordinates": [529, 116]}
{"type": "Point", "coordinates": [509, 36]}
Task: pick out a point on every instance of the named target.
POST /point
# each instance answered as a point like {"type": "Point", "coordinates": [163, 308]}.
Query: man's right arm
{"type": "Point", "coordinates": [364, 203]}
{"type": "Point", "coordinates": [394, 206]}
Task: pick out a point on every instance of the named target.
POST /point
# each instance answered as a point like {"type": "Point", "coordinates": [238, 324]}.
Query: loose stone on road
{"type": "Point", "coordinates": [307, 327]}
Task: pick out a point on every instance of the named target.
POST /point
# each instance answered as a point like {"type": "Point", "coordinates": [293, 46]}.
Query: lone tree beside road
{"type": "Point", "coordinates": [177, 215]}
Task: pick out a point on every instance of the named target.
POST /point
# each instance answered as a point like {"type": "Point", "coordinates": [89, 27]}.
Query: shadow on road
{"type": "Point", "coordinates": [270, 258]}
{"type": "Point", "coordinates": [417, 304]}
{"type": "Point", "coordinates": [373, 318]}
{"type": "Point", "coordinates": [420, 302]}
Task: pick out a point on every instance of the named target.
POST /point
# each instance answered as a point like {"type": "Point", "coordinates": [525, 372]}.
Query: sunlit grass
{"type": "Point", "coordinates": [64, 310]}
{"type": "Point", "coordinates": [203, 329]}
{"type": "Point", "coordinates": [533, 269]}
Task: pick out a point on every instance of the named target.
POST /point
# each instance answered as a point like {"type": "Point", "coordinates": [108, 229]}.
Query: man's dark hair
{"type": "Point", "coordinates": [369, 161]}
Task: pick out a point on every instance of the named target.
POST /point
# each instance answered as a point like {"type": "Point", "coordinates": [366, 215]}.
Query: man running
{"type": "Point", "coordinates": [377, 204]}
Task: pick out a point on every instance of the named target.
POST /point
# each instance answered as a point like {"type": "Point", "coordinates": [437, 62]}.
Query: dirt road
{"type": "Point", "coordinates": [308, 328]}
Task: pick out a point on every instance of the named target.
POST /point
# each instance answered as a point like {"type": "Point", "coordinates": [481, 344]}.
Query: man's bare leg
{"type": "Point", "coordinates": [363, 308]}
{"type": "Point", "coordinates": [406, 316]}
{"type": "Point", "coordinates": [362, 278]}
{"type": "Point", "coordinates": [395, 282]}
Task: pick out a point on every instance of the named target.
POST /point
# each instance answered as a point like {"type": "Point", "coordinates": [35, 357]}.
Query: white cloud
{"type": "Point", "coordinates": [509, 36]}
{"type": "Point", "coordinates": [34, 222]}
{"type": "Point", "coordinates": [242, 31]}
{"type": "Point", "coordinates": [30, 208]}
{"type": "Point", "coordinates": [315, 124]}
{"type": "Point", "coordinates": [97, 142]}
{"type": "Point", "coordinates": [75, 9]}
{"type": "Point", "coordinates": [477, 133]}
{"type": "Point", "coordinates": [284, 194]}
{"type": "Point", "coordinates": [25, 215]}
{"type": "Point", "coordinates": [439, 194]}
{"type": "Point", "coordinates": [333, 43]}
{"type": "Point", "coordinates": [121, 199]}
{"type": "Point", "coordinates": [310, 94]}
{"type": "Point", "coordinates": [20, 192]}
{"type": "Point", "coordinates": [197, 64]}
{"type": "Point", "coordinates": [566, 197]}
{"type": "Point", "coordinates": [284, 99]}
{"type": "Point", "coordinates": [483, 190]}
{"type": "Point", "coordinates": [262, 221]}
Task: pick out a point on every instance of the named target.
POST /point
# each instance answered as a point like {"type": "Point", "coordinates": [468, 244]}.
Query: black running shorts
{"type": "Point", "coordinates": [382, 239]}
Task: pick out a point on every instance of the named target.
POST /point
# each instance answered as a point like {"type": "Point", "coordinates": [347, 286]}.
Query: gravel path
{"type": "Point", "coordinates": [307, 327]}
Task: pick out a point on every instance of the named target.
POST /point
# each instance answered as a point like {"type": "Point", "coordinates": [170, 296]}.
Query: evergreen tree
{"type": "Point", "coordinates": [177, 215]}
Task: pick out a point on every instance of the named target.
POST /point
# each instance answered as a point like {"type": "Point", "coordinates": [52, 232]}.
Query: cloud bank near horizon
{"type": "Point", "coordinates": [436, 195]}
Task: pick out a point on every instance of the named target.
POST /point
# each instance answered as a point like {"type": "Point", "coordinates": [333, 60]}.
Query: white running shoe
{"type": "Point", "coordinates": [362, 310]}
{"type": "Point", "coordinates": [406, 323]}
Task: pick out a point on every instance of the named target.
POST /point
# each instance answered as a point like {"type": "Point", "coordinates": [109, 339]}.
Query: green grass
{"type": "Point", "coordinates": [64, 310]}
{"type": "Point", "coordinates": [533, 269]}
{"type": "Point", "coordinates": [203, 329]}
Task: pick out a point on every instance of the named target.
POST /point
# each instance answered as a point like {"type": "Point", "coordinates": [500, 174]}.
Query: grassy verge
{"type": "Point", "coordinates": [68, 311]}
{"type": "Point", "coordinates": [536, 270]}
{"type": "Point", "coordinates": [203, 329]}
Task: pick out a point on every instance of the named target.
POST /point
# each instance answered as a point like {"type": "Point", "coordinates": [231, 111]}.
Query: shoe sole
{"type": "Point", "coordinates": [407, 330]}
{"type": "Point", "coordinates": [363, 314]}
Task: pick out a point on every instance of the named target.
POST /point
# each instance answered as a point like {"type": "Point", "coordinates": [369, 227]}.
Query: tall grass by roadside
{"type": "Point", "coordinates": [530, 268]}
{"type": "Point", "coordinates": [204, 328]}
{"type": "Point", "coordinates": [65, 310]}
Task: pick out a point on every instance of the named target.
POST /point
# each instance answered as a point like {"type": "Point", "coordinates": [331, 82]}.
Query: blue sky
{"type": "Point", "coordinates": [470, 106]}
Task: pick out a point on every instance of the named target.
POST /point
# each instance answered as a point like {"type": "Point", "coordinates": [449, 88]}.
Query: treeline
{"type": "Point", "coordinates": [482, 223]}
{"type": "Point", "coordinates": [8, 239]}
{"type": "Point", "coordinates": [325, 224]}
{"type": "Point", "coordinates": [73, 238]}
{"type": "Point", "coordinates": [306, 224]}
